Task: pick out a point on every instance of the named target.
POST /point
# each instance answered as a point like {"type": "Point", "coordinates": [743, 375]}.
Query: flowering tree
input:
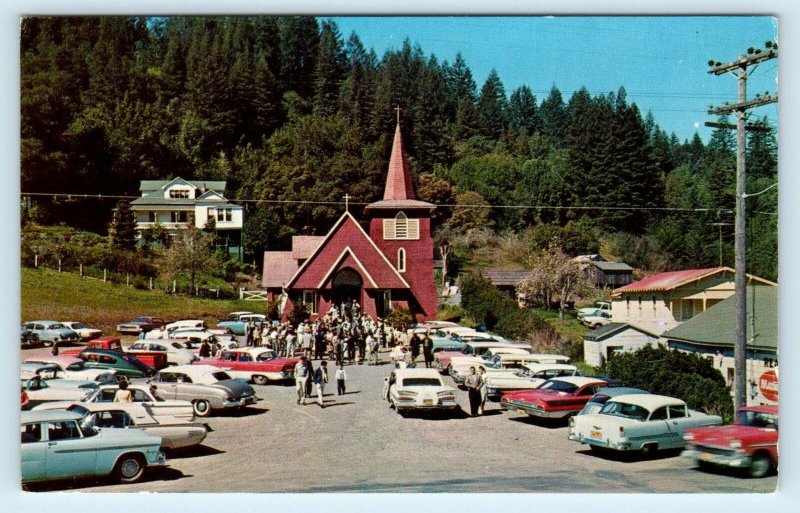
{"type": "Point", "coordinates": [555, 277]}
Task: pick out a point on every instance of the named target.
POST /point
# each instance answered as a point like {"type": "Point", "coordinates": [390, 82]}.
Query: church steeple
{"type": "Point", "coordinates": [398, 181]}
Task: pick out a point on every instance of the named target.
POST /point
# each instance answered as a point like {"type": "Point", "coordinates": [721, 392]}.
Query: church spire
{"type": "Point", "coordinates": [398, 181]}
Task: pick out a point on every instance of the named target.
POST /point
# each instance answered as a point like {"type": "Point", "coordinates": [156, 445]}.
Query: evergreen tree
{"type": "Point", "coordinates": [523, 111]}
{"type": "Point", "coordinates": [492, 106]}
{"type": "Point", "coordinates": [554, 117]}
{"type": "Point", "coordinates": [123, 227]}
{"type": "Point", "coordinates": [330, 69]}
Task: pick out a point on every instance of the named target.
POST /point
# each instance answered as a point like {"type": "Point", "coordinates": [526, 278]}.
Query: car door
{"type": "Point", "coordinates": [679, 421]}
{"type": "Point", "coordinates": [168, 384]}
{"type": "Point", "coordinates": [68, 454]}
{"type": "Point", "coordinates": [658, 427]}
{"type": "Point", "coordinates": [33, 452]}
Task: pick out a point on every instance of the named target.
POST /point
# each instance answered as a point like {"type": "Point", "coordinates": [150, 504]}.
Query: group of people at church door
{"type": "Point", "coordinates": [476, 390]}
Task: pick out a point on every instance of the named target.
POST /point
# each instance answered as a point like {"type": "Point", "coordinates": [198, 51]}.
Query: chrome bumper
{"type": "Point", "coordinates": [728, 458]}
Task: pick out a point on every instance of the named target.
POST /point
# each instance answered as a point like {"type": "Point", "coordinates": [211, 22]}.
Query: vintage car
{"type": "Point", "coordinates": [83, 331]}
{"type": "Point", "coordinates": [52, 332]}
{"type": "Point", "coordinates": [108, 343]}
{"type": "Point", "coordinates": [471, 349]}
{"type": "Point", "coordinates": [174, 433]}
{"type": "Point", "coordinates": [29, 338]}
{"type": "Point", "coordinates": [141, 394]}
{"type": "Point", "coordinates": [55, 446]}
{"type": "Point", "coordinates": [556, 398]}
{"type": "Point", "coordinates": [750, 443]}
{"type": "Point", "coordinates": [507, 360]}
{"type": "Point", "coordinates": [125, 364]}
{"type": "Point", "coordinates": [237, 321]}
{"type": "Point", "coordinates": [418, 389]}
{"type": "Point", "coordinates": [596, 309]}
{"type": "Point", "coordinates": [176, 353]}
{"type": "Point", "coordinates": [595, 321]}
{"type": "Point", "coordinates": [461, 364]}
{"type": "Point", "coordinates": [140, 324]}
{"type": "Point", "coordinates": [257, 364]}
{"type": "Point", "coordinates": [64, 367]}
{"type": "Point", "coordinates": [186, 323]}
{"type": "Point", "coordinates": [207, 387]}
{"type": "Point", "coordinates": [597, 401]}
{"type": "Point", "coordinates": [530, 376]}
{"type": "Point", "coordinates": [638, 422]}
{"type": "Point", "coordinates": [42, 391]}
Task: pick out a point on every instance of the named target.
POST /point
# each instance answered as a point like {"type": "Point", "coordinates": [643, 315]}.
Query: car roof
{"type": "Point", "coordinates": [578, 380]}
{"type": "Point", "coordinates": [44, 322]}
{"type": "Point", "coordinates": [771, 409]}
{"type": "Point", "coordinates": [490, 343]}
{"type": "Point", "coordinates": [417, 373]}
{"type": "Point", "coordinates": [618, 391]}
{"type": "Point", "coordinates": [47, 415]}
{"type": "Point", "coordinates": [649, 401]}
{"type": "Point", "coordinates": [192, 369]}
{"type": "Point", "coordinates": [549, 366]}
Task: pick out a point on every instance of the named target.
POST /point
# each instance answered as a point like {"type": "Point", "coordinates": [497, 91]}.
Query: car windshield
{"type": "Point", "coordinates": [630, 411]}
{"type": "Point", "coordinates": [757, 419]}
{"type": "Point", "coordinates": [559, 386]}
{"type": "Point", "coordinates": [422, 382]}
{"type": "Point", "coordinates": [219, 376]}
{"type": "Point", "coordinates": [599, 399]}
{"type": "Point", "coordinates": [77, 326]}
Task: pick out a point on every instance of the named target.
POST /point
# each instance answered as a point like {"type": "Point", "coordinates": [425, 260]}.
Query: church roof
{"type": "Point", "coordinates": [279, 268]}
{"type": "Point", "coordinates": [399, 189]}
{"type": "Point", "coordinates": [347, 245]}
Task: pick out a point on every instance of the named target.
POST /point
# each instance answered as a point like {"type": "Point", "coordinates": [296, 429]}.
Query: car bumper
{"type": "Point", "coordinates": [529, 409]}
{"type": "Point", "coordinates": [244, 401]}
{"type": "Point", "coordinates": [440, 406]}
{"type": "Point", "coordinates": [160, 460]}
{"type": "Point", "coordinates": [617, 445]}
{"type": "Point", "coordinates": [133, 330]}
{"type": "Point", "coordinates": [722, 457]}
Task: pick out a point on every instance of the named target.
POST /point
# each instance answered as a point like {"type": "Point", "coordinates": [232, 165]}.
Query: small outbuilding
{"type": "Point", "coordinates": [600, 344]}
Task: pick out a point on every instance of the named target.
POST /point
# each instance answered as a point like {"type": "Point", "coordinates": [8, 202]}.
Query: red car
{"type": "Point", "coordinates": [257, 364]}
{"type": "Point", "coordinates": [750, 443]}
{"type": "Point", "coordinates": [556, 398]}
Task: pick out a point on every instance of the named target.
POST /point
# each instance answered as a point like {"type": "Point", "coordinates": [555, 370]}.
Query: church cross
{"type": "Point", "coordinates": [346, 200]}
{"type": "Point", "coordinates": [398, 109]}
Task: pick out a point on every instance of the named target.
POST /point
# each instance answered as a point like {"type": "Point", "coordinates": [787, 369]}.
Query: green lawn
{"type": "Point", "coordinates": [49, 294]}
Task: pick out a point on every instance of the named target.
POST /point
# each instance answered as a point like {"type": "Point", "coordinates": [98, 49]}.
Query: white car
{"type": "Point", "coordinates": [596, 321]}
{"type": "Point", "coordinates": [175, 433]}
{"type": "Point", "coordinates": [187, 323]}
{"type": "Point", "coordinates": [603, 306]}
{"type": "Point", "coordinates": [33, 367]}
{"type": "Point", "coordinates": [177, 354]}
{"type": "Point", "coordinates": [528, 377]}
{"type": "Point", "coordinates": [41, 392]}
{"type": "Point", "coordinates": [504, 362]}
{"type": "Point", "coordinates": [84, 332]}
{"type": "Point", "coordinates": [418, 389]}
{"type": "Point", "coordinates": [638, 422]}
{"type": "Point", "coordinates": [141, 394]}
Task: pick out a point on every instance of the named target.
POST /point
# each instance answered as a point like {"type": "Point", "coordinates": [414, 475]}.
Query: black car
{"type": "Point", "coordinates": [29, 338]}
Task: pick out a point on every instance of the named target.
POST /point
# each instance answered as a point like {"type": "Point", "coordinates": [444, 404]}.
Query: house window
{"type": "Point", "coordinates": [151, 217]}
{"type": "Point", "coordinates": [311, 299]}
{"type": "Point", "coordinates": [179, 217]}
{"type": "Point", "coordinates": [401, 260]}
{"type": "Point", "coordinates": [400, 228]}
{"type": "Point", "coordinates": [179, 193]}
{"type": "Point", "coordinates": [224, 215]}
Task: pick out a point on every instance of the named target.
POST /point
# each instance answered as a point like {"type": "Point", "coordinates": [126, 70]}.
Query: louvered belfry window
{"type": "Point", "coordinates": [401, 228]}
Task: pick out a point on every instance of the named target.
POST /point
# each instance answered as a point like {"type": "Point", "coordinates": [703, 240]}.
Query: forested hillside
{"type": "Point", "coordinates": [287, 109]}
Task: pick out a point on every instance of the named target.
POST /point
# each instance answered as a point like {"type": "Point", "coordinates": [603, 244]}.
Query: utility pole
{"type": "Point", "coordinates": [741, 68]}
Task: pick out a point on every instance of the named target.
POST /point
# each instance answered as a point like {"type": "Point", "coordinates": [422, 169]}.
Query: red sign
{"type": "Point", "coordinates": [768, 384]}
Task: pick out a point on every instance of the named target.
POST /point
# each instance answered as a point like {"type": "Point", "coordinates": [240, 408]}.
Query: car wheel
{"type": "Point", "coordinates": [260, 380]}
{"type": "Point", "coordinates": [202, 408]}
{"type": "Point", "coordinates": [760, 466]}
{"type": "Point", "coordinates": [129, 468]}
{"type": "Point", "coordinates": [648, 450]}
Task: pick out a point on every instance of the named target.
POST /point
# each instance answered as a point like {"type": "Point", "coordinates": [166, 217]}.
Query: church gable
{"type": "Point", "coordinates": [347, 245]}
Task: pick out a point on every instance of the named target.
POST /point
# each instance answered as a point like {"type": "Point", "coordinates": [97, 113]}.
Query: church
{"type": "Point", "coordinates": [389, 267]}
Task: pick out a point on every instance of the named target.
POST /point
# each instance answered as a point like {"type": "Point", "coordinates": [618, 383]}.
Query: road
{"type": "Point", "coordinates": [358, 444]}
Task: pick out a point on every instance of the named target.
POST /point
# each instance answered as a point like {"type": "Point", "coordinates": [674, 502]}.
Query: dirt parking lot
{"type": "Point", "coordinates": [358, 444]}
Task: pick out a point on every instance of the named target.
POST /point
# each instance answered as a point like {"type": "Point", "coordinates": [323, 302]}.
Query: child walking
{"type": "Point", "coordinates": [341, 377]}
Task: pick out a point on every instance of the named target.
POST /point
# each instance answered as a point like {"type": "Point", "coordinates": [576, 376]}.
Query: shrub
{"type": "Point", "coordinates": [399, 319]}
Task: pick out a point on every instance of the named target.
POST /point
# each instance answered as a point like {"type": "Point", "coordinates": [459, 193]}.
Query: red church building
{"type": "Point", "coordinates": [390, 267]}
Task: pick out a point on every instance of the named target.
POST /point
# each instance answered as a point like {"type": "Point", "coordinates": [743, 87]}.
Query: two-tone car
{"type": "Point", "coordinates": [55, 446]}
{"type": "Point", "coordinates": [750, 443]}
{"type": "Point", "coordinates": [42, 392]}
{"type": "Point", "coordinates": [505, 361]}
{"type": "Point", "coordinates": [599, 399]}
{"type": "Point", "coordinates": [556, 398]}
{"type": "Point", "coordinates": [418, 390]}
{"type": "Point", "coordinates": [639, 422]}
{"type": "Point", "coordinates": [237, 321]}
{"type": "Point", "coordinates": [141, 324]}
{"type": "Point", "coordinates": [474, 349]}
{"type": "Point", "coordinates": [52, 332]}
{"type": "Point", "coordinates": [257, 364]}
{"type": "Point", "coordinates": [530, 376]}
{"type": "Point", "coordinates": [207, 387]}
{"type": "Point", "coordinates": [175, 433]}
{"type": "Point", "coordinates": [67, 368]}
{"type": "Point", "coordinates": [84, 332]}
{"type": "Point", "coordinates": [124, 364]}
{"type": "Point", "coordinates": [142, 393]}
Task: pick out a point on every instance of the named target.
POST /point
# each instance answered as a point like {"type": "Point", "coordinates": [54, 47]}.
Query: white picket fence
{"type": "Point", "coordinates": [252, 295]}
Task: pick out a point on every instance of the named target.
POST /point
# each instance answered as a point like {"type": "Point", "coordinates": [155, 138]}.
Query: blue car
{"type": "Point", "coordinates": [237, 321]}
{"type": "Point", "coordinates": [52, 332]}
{"type": "Point", "coordinates": [55, 445]}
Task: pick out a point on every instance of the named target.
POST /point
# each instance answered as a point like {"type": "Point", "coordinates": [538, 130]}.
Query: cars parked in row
{"type": "Point", "coordinates": [442, 360]}
{"type": "Point", "coordinates": [638, 422]}
{"type": "Point", "coordinates": [556, 398]}
{"type": "Point", "coordinates": [257, 364]}
{"type": "Point", "coordinates": [175, 433]}
{"type": "Point", "coordinates": [503, 362]}
{"type": "Point", "coordinates": [750, 443]}
{"type": "Point", "coordinates": [52, 332]}
{"type": "Point", "coordinates": [528, 377]}
{"type": "Point", "coordinates": [417, 390]}
{"type": "Point", "coordinates": [41, 391]}
{"type": "Point", "coordinates": [207, 387]}
{"type": "Point", "coordinates": [67, 368]}
{"type": "Point", "coordinates": [55, 446]}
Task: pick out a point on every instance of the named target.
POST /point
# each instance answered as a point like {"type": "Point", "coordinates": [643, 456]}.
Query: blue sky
{"type": "Point", "coordinates": [661, 61]}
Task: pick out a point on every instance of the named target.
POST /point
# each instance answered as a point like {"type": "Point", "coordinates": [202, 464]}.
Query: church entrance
{"type": "Point", "coordinates": [347, 285]}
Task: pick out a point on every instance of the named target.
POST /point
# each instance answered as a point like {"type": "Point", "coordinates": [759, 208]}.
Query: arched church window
{"type": "Point", "coordinates": [401, 260]}
{"type": "Point", "coordinates": [401, 228]}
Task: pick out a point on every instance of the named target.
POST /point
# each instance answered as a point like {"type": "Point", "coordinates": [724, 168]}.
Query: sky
{"type": "Point", "coordinates": [661, 62]}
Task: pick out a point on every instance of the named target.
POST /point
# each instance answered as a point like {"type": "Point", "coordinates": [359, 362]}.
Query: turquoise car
{"type": "Point", "coordinates": [125, 364]}
{"type": "Point", "coordinates": [56, 446]}
{"type": "Point", "coordinates": [237, 321]}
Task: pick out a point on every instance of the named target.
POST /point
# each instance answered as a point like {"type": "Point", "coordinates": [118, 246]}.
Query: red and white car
{"type": "Point", "coordinates": [555, 398]}
{"type": "Point", "coordinates": [257, 364]}
{"type": "Point", "coordinates": [750, 443]}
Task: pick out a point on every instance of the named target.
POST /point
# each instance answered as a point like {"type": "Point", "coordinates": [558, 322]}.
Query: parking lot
{"type": "Point", "coordinates": [358, 444]}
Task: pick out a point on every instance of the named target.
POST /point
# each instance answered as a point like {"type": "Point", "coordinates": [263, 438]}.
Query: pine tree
{"type": "Point", "coordinates": [329, 71]}
{"type": "Point", "coordinates": [554, 117]}
{"type": "Point", "coordinates": [523, 111]}
{"type": "Point", "coordinates": [492, 106]}
{"type": "Point", "coordinates": [123, 227]}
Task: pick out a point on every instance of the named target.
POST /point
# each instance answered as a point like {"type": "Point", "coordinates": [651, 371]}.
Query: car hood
{"type": "Point", "coordinates": [721, 436]}
{"type": "Point", "coordinates": [236, 387]}
{"type": "Point", "coordinates": [537, 395]}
